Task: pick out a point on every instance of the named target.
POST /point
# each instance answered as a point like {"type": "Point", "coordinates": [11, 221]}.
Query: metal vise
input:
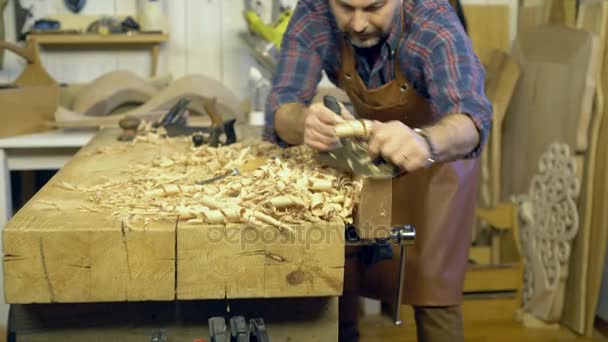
{"type": "Point", "coordinates": [403, 236]}
{"type": "Point", "coordinates": [373, 226]}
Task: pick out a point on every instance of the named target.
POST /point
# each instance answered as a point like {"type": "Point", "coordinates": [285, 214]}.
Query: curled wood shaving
{"type": "Point", "coordinates": [49, 204]}
{"type": "Point", "coordinates": [290, 188]}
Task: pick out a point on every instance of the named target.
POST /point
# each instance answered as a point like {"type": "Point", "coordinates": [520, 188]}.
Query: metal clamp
{"type": "Point", "coordinates": [403, 236]}
{"type": "Point", "coordinates": [258, 330]}
{"type": "Point", "coordinates": [159, 335]}
{"type": "Point", "coordinates": [217, 329]}
{"type": "Point", "coordinates": [239, 329]}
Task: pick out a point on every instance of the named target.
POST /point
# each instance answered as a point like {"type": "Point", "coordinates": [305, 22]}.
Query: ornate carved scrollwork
{"type": "Point", "coordinates": [549, 221]}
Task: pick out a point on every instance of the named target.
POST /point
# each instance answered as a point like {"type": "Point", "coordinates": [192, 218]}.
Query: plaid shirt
{"type": "Point", "coordinates": [435, 55]}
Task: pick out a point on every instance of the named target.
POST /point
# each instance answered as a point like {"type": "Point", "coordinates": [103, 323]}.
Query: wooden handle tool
{"type": "Point", "coordinates": [350, 128]}
{"type": "Point", "coordinates": [354, 128]}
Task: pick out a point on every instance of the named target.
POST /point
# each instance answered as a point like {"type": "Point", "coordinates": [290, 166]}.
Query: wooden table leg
{"type": "Point", "coordinates": [6, 206]}
{"type": "Point", "coordinates": [6, 209]}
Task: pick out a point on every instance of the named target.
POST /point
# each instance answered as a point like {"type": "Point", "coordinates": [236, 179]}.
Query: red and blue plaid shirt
{"type": "Point", "coordinates": [435, 54]}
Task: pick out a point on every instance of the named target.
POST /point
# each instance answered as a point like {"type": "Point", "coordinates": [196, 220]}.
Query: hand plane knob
{"type": "Point", "coordinates": [333, 104]}
{"type": "Point", "coordinates": [129, 125]}
{"type": "Point", "coordinates": [197, 139]}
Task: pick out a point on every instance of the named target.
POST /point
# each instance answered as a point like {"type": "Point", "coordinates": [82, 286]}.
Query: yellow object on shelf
{"type": "Point", "coordinates": [270, 32]}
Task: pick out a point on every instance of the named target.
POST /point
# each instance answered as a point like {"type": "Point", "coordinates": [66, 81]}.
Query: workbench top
{"type": "Point", "coordinates": [67, 245]}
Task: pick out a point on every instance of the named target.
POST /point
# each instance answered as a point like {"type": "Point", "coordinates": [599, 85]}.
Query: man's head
{"type": "Point", "coordinates": [365, 22]}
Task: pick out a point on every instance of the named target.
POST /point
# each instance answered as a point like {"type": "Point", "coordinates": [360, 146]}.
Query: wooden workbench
{"type": "Point", "coordinates": [57, 251]}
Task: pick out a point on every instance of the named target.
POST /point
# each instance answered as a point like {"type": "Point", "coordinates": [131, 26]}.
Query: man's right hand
{"type": "Point", "coordinates": [319, 132]}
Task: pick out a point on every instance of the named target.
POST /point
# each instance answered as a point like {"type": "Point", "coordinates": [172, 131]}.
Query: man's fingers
{"type": "Point", "coordinates": [391, 152]}
{"type": "Point", "coordinates": [373, 148]}
{"type": "Point", "coordinates": [346, 113]}
{"type": "Point", "coordinates": [380, 131]}
{"type": "Point", "coordinates": [326, 116]}
{"type": "Point", "coordinates": [314, 136]}
{"type": "Point", "coordinates": [315, 124]}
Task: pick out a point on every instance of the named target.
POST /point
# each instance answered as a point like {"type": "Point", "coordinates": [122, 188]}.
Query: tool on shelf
{"type": "Point", "coordinates": [174, 122]}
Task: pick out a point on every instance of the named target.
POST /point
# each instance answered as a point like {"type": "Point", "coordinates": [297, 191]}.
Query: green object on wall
{"type": "Point", "coordinates": [269, 32]}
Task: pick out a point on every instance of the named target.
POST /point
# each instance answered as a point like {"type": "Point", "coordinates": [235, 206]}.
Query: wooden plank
{"type": "Point", "coordinates": [480, 255]}
{"type": "Point", "coordinates": [561, 12]}
{"type": "Point", "coordinates": [531, 14]}
{"type": "Point", "coordinates": [198, 88]}
{"type": "Point", "coordinates": [488, 27]}
{"type": "Point", "coordinates": [502, 75]}
{"type": "Point", "coordinates": [557, 86]}
{"type": "Point", "coordinates": [493, 278]}
{"type": "Point", "coordinates": [374, 212]}
{"type": "Point", "coordinates": [587, 262]}
{"type": "Point", "coordinates": [22, 115]}
{"type": "Point", "coordinates": [290, 319]}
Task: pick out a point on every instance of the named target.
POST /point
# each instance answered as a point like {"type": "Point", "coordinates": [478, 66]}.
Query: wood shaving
{"type": "Point", "coordinates": [289, 189]}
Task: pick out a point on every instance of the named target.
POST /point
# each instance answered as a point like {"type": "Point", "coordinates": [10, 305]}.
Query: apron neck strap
{"type": "Point", "coordinates": [398, 74]}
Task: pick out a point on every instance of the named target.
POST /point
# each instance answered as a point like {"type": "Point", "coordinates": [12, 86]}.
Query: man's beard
{"type": "Point", "coordinates": [367, 43]}
{"type": "Point", "coordinates": [365, 40]}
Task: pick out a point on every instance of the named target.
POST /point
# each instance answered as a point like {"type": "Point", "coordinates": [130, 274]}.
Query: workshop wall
{"type": "Point", "coordinates": [203, 39]}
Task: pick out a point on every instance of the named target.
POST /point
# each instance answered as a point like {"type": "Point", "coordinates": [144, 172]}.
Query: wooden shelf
{"type": "Point", "coordinates": [78, 41]}
{"type": "Point", "coordinates": [81, 39]}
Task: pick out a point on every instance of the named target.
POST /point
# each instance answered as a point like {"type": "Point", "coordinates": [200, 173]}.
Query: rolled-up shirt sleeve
{"type": "Point", "coordinates": [455, 79]}
{"type": "Point", "coordinates": [298, 73]}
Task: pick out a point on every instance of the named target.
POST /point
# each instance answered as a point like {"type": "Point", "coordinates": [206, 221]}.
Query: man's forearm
{"type": "Point", "coordinates": [289, 123]}
{"type": "Point", "coordinates": [453, 137]}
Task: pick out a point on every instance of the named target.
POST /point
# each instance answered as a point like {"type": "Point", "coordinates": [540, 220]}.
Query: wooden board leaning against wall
{"type": "Point", "coordinates": [588, 250]}
{"type": "Point", "coordinates": [489, 30]}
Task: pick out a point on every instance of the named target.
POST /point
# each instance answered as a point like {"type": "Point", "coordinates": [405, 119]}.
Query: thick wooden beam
{"type": "Point", "coordinates": [60, 248]}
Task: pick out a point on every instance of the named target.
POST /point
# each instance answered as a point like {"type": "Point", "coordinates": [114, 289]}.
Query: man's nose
{"type": "Point", "coordinates": [359, 22]}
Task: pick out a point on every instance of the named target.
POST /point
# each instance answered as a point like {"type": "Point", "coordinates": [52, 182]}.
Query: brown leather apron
{"type": "Point", "coordinates": [439, 201]}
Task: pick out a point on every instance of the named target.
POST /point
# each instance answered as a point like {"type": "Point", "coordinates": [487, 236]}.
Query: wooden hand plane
{"type": "Point", "coordinates": [352, 156]}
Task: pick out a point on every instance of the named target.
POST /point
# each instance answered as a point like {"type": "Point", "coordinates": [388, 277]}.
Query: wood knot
{"type": "Point", "coordinates": [296, 277]}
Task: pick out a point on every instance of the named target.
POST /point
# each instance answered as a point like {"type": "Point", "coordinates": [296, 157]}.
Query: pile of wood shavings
{"type": "Point", "coordinates": [290, 188]}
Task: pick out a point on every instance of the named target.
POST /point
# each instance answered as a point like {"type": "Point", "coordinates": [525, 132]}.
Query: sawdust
{"type": "Point", "coordinates": [289, 189]}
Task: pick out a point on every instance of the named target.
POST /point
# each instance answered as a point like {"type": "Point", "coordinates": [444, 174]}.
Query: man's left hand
{"type": "Point", "coordinates": [400, 145]}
